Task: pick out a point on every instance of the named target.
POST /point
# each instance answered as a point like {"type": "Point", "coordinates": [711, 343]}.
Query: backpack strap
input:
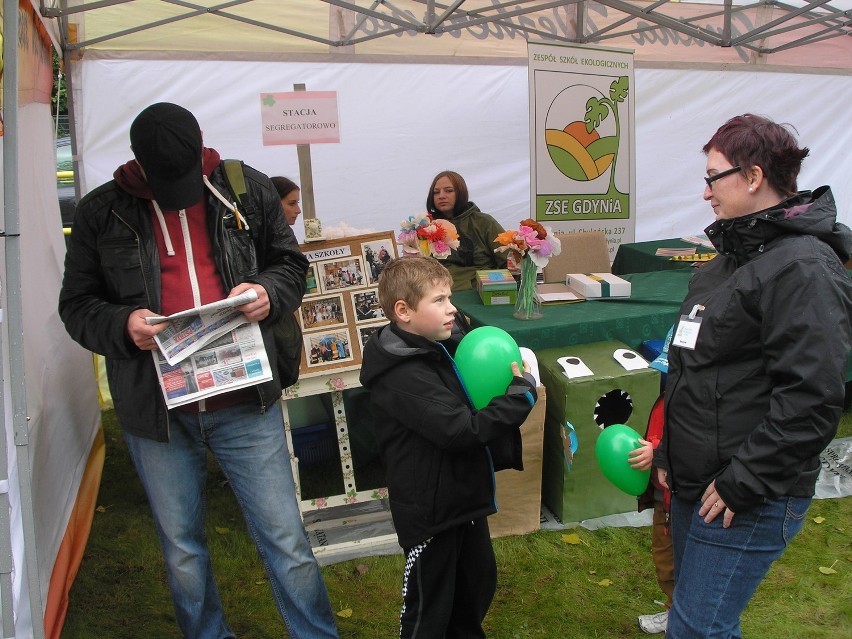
{"type": "Point", "coordinates": [236, 178]}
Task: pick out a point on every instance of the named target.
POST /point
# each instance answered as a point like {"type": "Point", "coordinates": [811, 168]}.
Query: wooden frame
{"type": "Point", "coordinates": [341, 300]}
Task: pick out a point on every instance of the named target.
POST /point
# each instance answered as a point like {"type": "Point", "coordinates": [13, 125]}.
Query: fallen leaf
{"type": "Point", "coordinates": [593, 572]}
{"type": "Point", "coordinates": [362, 569]}
{"type": "Point", "coordinates": [345, 613]}
{"type": "Point", "coordinates": [260, 582]}
{"type": "Point", "coordinates": [819, 520]}
{"type": "Point", "coordinates": [573, 538]}
{"type": "Point", "coordinates": [827, 571]}
{"type": "Point", "coordinates": [222, 530]}
{"type": "Point", "coordinates": [101, 509]}
{"type": "Point", "coordinates": [606, 583]}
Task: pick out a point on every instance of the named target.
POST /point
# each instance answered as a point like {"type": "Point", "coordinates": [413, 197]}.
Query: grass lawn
{"type": "Point", "coordinates": [547, 587]}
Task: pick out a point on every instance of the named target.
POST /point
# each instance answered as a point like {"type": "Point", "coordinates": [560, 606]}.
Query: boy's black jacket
{"type": "Point", "coordinates": [440, 453]}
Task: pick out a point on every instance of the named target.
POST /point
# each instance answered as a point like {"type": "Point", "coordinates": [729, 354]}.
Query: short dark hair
{"type": "Point", "coordinates": [407, 278]}
{"type": "Point", "coordinates": [751, 140]}
{"type": "Point", "coordinates": [458, 185]}
{"type": "Point", "coordinates": [283, 185]}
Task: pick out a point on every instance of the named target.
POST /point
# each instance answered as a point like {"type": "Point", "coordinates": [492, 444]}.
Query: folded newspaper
{"type": "Point", "coordinates": [209, 350]}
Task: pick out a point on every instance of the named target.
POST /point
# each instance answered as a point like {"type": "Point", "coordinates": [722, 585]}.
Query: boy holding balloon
{"type": "Point", "coordinates": [439, 448]}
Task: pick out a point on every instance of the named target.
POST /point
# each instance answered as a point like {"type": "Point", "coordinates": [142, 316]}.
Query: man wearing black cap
{"type": "Point", "coordinates": [161, 237]}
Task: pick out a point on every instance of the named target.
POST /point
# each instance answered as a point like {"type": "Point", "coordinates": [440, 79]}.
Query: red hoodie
{"type": "Point", "coordinates": [175, 270]}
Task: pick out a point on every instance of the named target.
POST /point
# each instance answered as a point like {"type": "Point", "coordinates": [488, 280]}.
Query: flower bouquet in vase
{"type": "Point", "coordinates": [527, 249]}
{"type": "Point", "coordinates": [422, 235]}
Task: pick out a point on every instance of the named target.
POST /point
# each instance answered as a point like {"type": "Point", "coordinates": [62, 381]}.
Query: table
{"type": "Point", "coordinates": [647, 314]}
{"type": "Point", "coordinates": [640, 257]}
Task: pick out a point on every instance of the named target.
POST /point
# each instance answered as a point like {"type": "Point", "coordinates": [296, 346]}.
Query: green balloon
{"type": "Point", "coordinates": [611, 450]}
{"type": "Point", "coordinates": [484, 357]}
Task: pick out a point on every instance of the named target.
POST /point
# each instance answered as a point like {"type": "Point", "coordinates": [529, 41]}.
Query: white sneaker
{"type": "Point", "coordinates": [652, 624]}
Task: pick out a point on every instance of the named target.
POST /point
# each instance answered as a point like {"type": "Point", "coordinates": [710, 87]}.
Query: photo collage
{"type": "Point", "coordinates": [340, 309]}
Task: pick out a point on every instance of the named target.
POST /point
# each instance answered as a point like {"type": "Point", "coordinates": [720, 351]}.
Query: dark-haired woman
{"type": "Point", "coordinates": [448, 199]}
{"type": "Point", "coordinates": [756, 374]}
{"type": "Point", "coordinates": [289, 193]}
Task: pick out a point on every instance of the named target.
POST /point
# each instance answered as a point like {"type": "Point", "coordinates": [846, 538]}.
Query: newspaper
{"type": "Point", "coordinates": [234, 360]}
{"type": "Point", "coordinates": [189, 330]}
{"type": "Point", "coordinates": [209, 350]}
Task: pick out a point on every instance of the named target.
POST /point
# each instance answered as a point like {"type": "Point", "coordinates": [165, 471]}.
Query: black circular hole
{"type": "Point", "coordinates": [613, 408]}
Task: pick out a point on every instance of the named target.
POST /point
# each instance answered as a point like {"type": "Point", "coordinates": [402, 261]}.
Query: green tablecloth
{"type": "Point", "coordinates": [640, 257]}
{"type": "Point", "coordinates": [647, 315]}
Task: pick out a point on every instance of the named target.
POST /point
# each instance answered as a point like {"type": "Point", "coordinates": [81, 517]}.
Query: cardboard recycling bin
{"type": "Point", "coordinates": [573, 487]}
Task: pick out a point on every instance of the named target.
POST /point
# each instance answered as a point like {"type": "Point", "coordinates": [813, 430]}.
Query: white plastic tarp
{"type": "Point", "coordinates": [62, 413]}
{"type": "Point", "coordinates": [403, 123]}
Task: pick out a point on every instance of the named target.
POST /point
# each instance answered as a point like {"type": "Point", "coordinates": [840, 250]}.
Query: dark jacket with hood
{"type": "Point", "coordinates": [112, 268]}
{"type": "Point", "coordinates": [760, 396]}
{"type": "Point", "coordinates": [440, 453]}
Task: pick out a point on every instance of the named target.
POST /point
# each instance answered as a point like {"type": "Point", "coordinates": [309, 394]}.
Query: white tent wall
{"type": "Point", "coordinates": [62, 404]}
{"type": "Point", "coordinates": [402, 123]}
{"type": "Point", "coordinates": [48, 440]}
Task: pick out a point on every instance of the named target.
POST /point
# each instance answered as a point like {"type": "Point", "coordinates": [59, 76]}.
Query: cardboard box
{"type": "Point", "coordinates": [496, 286]}
{"type": "Point", "coordinates": [497, 298]}
{"type": "Point", "coordinates": [519, 492]}
{"type": "Point", "coordinates": [598, 284]}
{"type": "Point", "coordinates": [573, 486]}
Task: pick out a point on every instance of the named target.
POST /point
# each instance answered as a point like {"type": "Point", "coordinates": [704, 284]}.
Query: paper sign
{"type": "Point", "coordinates": [299, 117]}
{"type": "Point", "coordinates": [630, 360]}
{"type": "Point", "coordinates": [574, 367]}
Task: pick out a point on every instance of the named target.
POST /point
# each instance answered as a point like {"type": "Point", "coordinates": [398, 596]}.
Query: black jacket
{"type": "Point", "coordinates": [760, 396]}
{"type": "Point", "coordinates": [112, 268]}
{"type": "Point", "coordinates": [439, 453]}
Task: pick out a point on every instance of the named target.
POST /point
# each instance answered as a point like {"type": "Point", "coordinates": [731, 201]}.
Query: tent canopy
{"type": "Point", "coordinates": [763, 32]}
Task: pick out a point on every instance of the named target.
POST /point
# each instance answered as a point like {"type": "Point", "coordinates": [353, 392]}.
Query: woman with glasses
{"type": "Point", "coordinates": [756, 376]}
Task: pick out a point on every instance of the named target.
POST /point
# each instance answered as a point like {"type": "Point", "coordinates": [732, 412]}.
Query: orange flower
{"type": "Point", "coordinates": [506, 238]}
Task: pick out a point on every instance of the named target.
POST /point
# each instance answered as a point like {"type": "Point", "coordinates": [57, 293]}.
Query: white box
{"type": "Point", "coordinates": [598, 284]}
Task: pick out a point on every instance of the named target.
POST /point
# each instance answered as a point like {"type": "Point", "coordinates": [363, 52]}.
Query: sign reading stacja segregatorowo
{"type": "Point", "coordinates": [299, 117]}
{"type": "Point", "coordinates": [581, 139]}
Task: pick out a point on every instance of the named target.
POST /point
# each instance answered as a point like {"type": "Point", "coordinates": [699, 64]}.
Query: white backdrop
{"type": "Point", "coordinates": [62, 415]}
{"type": "Point", "coordinates": [403, 123]}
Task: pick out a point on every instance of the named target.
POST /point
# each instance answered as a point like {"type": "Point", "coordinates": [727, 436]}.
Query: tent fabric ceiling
{"type": "Point", "coordinates": [763, 32]}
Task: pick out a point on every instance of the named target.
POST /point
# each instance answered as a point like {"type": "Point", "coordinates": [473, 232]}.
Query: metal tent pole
{"type": "Point", "coordinates": [14, 319]}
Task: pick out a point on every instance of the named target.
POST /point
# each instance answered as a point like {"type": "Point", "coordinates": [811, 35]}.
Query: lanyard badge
{"type": "Point", "coordinates": [686, 334]}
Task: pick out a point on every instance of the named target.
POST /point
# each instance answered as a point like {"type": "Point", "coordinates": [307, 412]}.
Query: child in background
{"type": "Point", "coordinates": [439, 452]}
{"type": "Point", "coordinates": [658, 497]}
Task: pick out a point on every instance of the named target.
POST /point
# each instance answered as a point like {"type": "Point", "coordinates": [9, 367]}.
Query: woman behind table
{"type": "Point", "coordinates": [289, 193]}
{"type": "Point", "coordinates": [448, 200]}
{"type": "Point", "coordinates": [756, 374]}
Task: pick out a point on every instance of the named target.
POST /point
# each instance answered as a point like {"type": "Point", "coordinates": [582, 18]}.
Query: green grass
{"type": "Point", "coordinates": [547, 588]}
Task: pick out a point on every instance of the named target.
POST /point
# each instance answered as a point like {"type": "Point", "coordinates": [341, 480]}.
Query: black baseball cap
{"type": "Point", "coordinates": [166, 141]}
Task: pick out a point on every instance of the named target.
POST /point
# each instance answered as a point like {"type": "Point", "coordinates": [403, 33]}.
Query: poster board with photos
{"type": "Point", "coordinates": [340, 309]}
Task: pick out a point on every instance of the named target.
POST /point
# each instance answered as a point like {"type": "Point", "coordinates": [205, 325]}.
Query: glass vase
{"type": "Point", "coordinates": [528, 305]}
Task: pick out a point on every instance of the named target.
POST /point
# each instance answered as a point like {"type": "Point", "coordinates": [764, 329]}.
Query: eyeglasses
{"type": "Point", "coordinates": [712, 178]}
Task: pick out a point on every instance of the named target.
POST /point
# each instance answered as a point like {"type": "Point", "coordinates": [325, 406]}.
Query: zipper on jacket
{"type": "Point", "coordinates": [147, 295]}
{"type": "Point", "coordinates": [139, 255]}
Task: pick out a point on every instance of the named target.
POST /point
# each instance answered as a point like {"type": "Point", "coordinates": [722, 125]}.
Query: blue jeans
{"type": "Point", "coordinates": [252, 452]}
{"type": "Point", "coordinates": [718, 569]}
